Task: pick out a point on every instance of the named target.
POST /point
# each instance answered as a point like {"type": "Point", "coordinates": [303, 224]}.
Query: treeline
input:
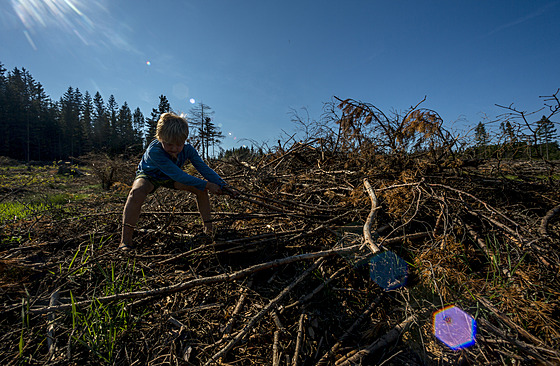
{"type": "Point", "coordinates": [515, 140]}
{"type": "Point", "coordinates": [241, 153]}
{"type": "Point", "coordinates": [35, 127]}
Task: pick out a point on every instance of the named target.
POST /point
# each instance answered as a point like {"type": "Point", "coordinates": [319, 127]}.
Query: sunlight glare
{"type": "Point", "coordinates": [63, 17]}
{"type": "Point", "coordinates": [30, 40]}
{"type": "Point", "coordinates": [192, 101]}
{"type": "Point", "coordinates": [48, 12]}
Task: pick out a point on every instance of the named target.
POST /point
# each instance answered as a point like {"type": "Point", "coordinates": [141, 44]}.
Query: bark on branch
{"type": "Point", "coordinates": [368, 240]}
{"type": "Point", "coordinates": [226, 277]}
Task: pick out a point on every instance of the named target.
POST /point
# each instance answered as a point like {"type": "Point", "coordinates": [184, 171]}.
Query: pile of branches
{"type": "Point", "coordinates": [284, 279]}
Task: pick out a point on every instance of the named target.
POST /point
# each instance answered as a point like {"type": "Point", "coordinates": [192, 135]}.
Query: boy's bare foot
{"type": "Point", "coordinates": [125, 247]}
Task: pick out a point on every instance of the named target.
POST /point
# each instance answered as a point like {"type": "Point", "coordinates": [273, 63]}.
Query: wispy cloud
{"type": "Point", "coordinates": [527, 17]}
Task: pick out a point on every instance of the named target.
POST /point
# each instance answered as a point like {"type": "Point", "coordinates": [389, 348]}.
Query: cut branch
{"type": "Point", "coordinates": [367, 227]}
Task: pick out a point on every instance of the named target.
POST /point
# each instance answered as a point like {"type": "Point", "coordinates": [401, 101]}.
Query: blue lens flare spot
{"type": "Point", "coordinates": [454, 327]}
{"type": "Point", "coordinates": [388, 270]}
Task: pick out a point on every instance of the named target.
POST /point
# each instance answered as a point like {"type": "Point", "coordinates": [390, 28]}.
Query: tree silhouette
{"type": "Point", "coordinates": [546, 133]}
{"type": "Point", "coordinates": [481, 137]}
{"type": "Point", "coordinates": [207, 133]}
{"type": "Point", "coordinates": [37, 128]}
{"type": "Point", "coordinates": [163, 107]}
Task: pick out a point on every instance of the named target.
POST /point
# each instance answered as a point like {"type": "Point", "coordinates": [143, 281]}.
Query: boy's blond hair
{"type": "Point", "coordinates": [172, 128]}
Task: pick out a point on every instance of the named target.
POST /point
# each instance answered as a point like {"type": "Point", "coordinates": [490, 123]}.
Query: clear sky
{"type": "Point", "coordinates": [254, 61]}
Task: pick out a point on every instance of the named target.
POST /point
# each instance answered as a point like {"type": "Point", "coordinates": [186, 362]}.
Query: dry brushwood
{"type": "Point", "coordinates": [285, 278]}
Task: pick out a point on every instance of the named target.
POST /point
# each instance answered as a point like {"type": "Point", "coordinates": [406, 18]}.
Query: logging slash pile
{"type": "Point", "coordinates": [285, 278]}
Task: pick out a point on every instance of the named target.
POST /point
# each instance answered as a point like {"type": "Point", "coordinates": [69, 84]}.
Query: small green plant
{"type": "Point", "coordinates": [101, 325]}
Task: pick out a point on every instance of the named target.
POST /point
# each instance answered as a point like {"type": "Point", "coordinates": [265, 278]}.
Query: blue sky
{"type": "Point", "coordinates": [255, 61]}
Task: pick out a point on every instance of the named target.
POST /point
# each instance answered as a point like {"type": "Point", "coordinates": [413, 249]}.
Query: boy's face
{"type": "Point", "coordinates": [173, 148]}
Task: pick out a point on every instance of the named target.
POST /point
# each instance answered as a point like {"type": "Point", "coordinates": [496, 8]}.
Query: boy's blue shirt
{"type": "Point", "coordinates": [160, 165]}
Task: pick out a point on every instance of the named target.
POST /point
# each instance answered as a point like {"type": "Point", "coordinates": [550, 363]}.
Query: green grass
{"type": "Point", "coordinates": [100, 327]}
{"type": "Point", "coordinates": [32, 206]}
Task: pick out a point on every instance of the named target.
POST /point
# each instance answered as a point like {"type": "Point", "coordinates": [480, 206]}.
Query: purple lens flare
{"type": "Point", "coordinates": [454, 327]}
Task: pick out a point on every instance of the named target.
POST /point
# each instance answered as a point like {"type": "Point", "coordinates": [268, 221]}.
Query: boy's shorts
{"type": "Point", "coordinates": [167, 183]}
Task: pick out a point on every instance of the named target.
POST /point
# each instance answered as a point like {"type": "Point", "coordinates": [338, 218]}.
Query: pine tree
{"type": "Point", "coordinates": [138, 124]}
{"type": "Point", "coordinates": [112, 109]}
{"type": "Point", "coordinates": [73, 131]}
{"type": "Point", "coordinates": [86, 120]}
{"type": "Point", "coordinates": [100, 122]}
{"type": "Point", "coordinates": [215, 136]}
{"type": "Point", "coordinates": [163, 107]}
{"type": "Point", "coordinates": [482, 138]}
{"type": "Point", "coordinates": [16, 101]}
{"type": "Point", "coordinates": [546, 134]}
{"type": "Point", "coordinates": [42, 125]}
{"type": "Point", "coordinates": [125, 133]}
{"type": "Point", "coordinates": [200, 119]}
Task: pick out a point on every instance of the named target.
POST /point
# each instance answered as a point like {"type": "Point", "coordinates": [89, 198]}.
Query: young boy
{"type": "Point", "coordinates": [161, 166]}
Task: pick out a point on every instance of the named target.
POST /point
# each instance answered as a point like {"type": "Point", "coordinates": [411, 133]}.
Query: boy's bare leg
{"type": "Point", "coordinates": [203, 204]}
{"type": "Point", "coordinates": [131, 213]}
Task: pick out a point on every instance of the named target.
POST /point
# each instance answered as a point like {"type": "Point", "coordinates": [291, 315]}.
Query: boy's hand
{"type": "Point", "coordinates": [230, 191]}
{"type": "Point", "coordinates": [213, 188]}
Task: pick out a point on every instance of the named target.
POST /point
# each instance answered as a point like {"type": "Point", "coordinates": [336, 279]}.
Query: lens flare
{"type": "Point", "coordinates": [454, 327]}
{"type": "Point", "coordinates": [388, 270]}
{"type": "Point", "coordinates": [192, 101]}
{"type": "Point", "coordinates": [59, 13]}
{"type": "Point", "coordinates": [30, 40]}
{"type": "Point", "coordinates": [59, 21]}
{"type": "Point", "coordinates": [148, 63]}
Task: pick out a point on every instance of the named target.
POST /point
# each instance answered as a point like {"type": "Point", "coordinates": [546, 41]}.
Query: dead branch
{"type": "Point", "coordinates": [367, 227]}
{"type": "Point", "coordinates": [275, 351]}
{"type": "Point", "coordinates": [543, 231]}
{"type": "Point", "coordinates": [334, 349]}
{"type": "Point", "coordinates": [488, 207]}
{"type": "Point", "coordinates": [503, 317]}
{"type": "Point", "coordinates": [229, 326]}
{"type": "Point", "coordinates": [272, 304]}
{"type": "Point", "coordinates": [201, 281]}
{"type": "Point", "coordinates": [315, 291]}
{"type": "Point", "coordinates": [299, 339]}
{"type": "Point", "coordinates": [535, 351]}
{"type": "Point", "coordinates": [392, 336]}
